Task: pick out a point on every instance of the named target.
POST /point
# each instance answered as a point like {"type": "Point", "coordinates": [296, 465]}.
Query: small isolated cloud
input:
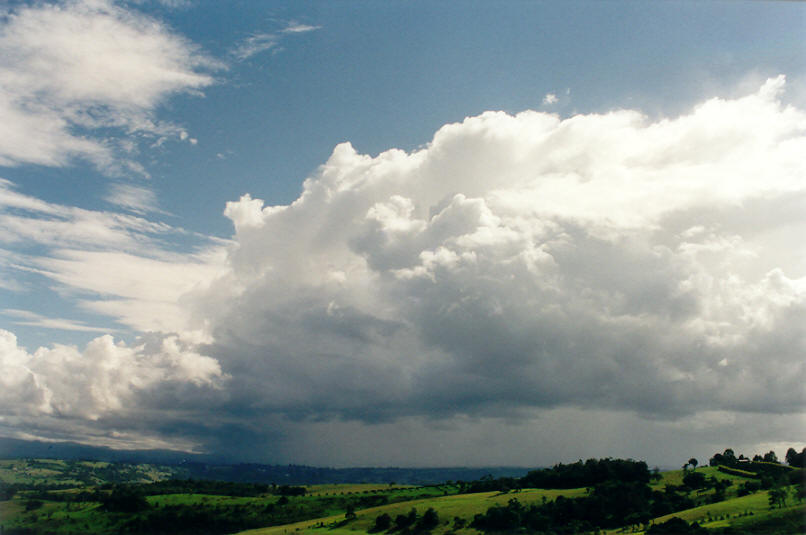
{"type": "Point", "coordinates": [295, 27]}
{"type": "Point", "coordinates": [262, 42]}
{"type": "Point", "coordinates": [549, 99]}
{"type": "Point", "coordinates": [71, 68]}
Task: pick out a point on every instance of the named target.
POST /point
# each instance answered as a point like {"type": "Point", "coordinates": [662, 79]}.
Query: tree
{"type": "Point", "coordinates": [729, 457]}
{"type": "Point", "coordinates": [404, 521]}
{"type": "Point", "coordinates": [770, 457]}
{"type": "Point", "coordinates": [350, 513]}
{"type": "Point", "coordinates": [382, 522]}
{"type": "Point", "coordinates": [793, 458]}
{"type": "Point", "coordinates": [694, 480]}
{"type": "Point", "coordinates": [428, 521]}
{"type": "Point", "coordinates": [778, 497]}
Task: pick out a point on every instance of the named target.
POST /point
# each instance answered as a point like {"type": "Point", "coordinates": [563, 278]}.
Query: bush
{"type": "Point", "coordinates": [676, 526]}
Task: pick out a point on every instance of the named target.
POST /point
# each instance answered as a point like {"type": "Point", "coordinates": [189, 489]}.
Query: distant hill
{"type": "Point", "coordinates": [12, 448]}
{"type": "Point", "coordinates": [184, 465]}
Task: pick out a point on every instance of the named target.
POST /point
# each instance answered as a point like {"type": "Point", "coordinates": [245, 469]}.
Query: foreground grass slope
{"type": "Point", "coordinates": [464, 506]}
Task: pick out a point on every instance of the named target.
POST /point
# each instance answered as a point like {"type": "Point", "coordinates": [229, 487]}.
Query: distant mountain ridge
{"type": "Point", "coordinates": [187, 465]}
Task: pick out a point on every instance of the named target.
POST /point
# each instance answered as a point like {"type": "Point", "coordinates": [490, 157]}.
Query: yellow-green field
{"type": "Point", "coordinates": [735, 511]}
{"type": "Point", "coordinates": [675, 477]}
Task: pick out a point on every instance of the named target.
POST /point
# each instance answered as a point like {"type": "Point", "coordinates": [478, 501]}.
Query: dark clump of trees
{"type": "Point", "coordinates": [382, 523]}
{"type": "Point", "coordinates": [591, 472]}
{"type": "Point", "coordinates": [124, 499]}
{"type": "Point", "coordinates": [408, 523]}
{"type": "Point", "coordinates": [568, 476]}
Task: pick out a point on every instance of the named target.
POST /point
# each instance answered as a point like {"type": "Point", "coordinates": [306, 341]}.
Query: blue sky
{"type": "Point", "coordinates": [130, 126]}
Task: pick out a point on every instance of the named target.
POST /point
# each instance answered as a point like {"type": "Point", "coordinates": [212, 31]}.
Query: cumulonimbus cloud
{"type": "Point", "coordinates": [520, 261]}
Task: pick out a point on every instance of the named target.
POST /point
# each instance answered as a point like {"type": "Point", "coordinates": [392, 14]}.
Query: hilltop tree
{"type": "Point", "coordinates": [793, 458]}
{"type": "Point", "coordinates": [770, 457]}
{"type": "Point", "coordinates": [727, 458]}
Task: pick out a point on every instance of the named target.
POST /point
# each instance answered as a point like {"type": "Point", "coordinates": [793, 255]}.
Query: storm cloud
{"type": "Point", "coordinates": [515, 265]}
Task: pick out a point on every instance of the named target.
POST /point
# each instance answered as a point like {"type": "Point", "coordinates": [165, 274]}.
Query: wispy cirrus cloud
{"type": "Point", "coordinates": [268, 41]}
{"type": "Point", "coordinates": [117, 264]}
{"type": "Point", "coordinates": [26, 317]}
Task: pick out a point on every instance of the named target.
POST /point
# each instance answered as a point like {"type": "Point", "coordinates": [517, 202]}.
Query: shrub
{"type": "Point", "coordinates": [428, 521]}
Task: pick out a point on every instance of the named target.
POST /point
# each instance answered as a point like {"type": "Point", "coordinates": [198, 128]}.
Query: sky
{"type": "Point", "coordinates": [404, 233]}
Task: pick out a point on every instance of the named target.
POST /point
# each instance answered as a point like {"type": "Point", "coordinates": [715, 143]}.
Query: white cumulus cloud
{"type": "Point", "coordinates": [106, 377]}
